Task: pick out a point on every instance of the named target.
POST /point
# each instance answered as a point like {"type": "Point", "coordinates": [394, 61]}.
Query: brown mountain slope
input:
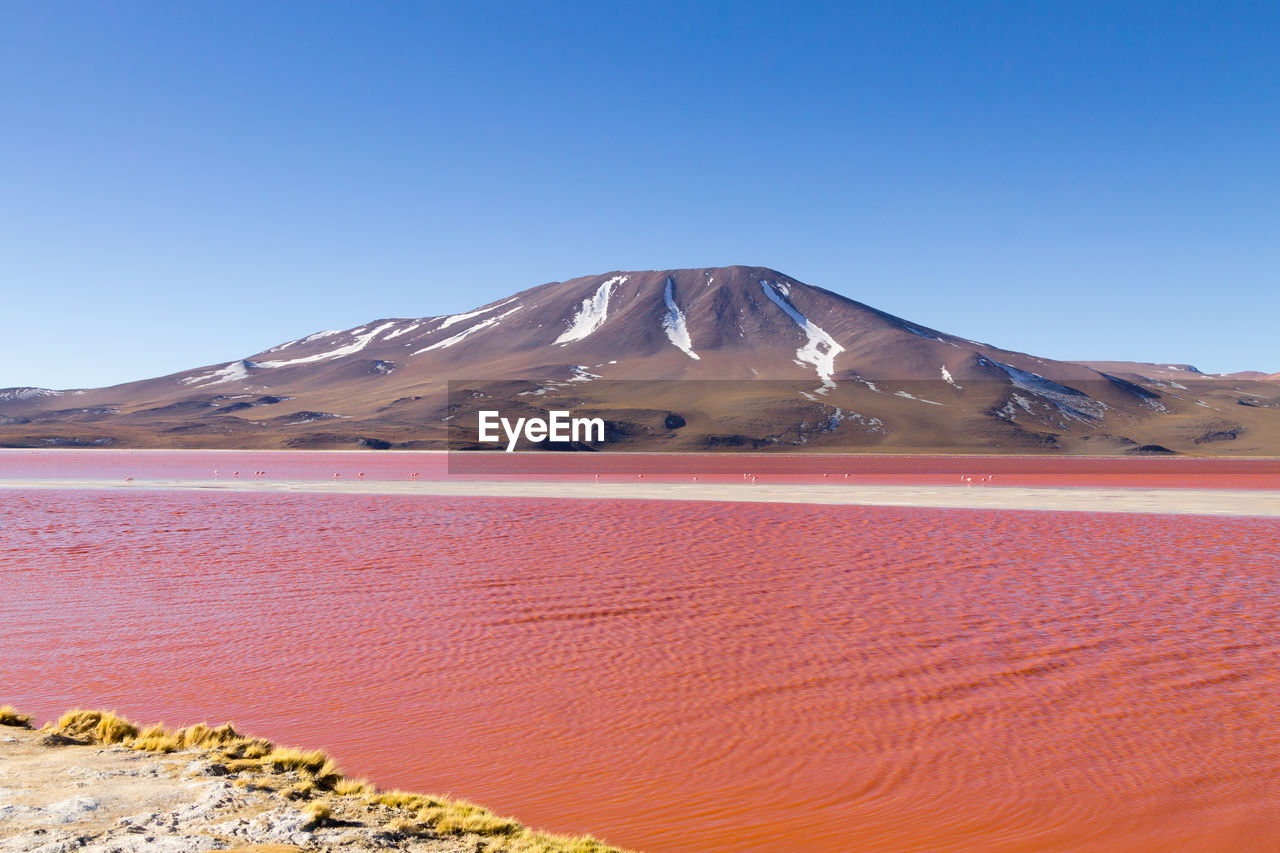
{"type": "Point", "coordinates": [742, 357]}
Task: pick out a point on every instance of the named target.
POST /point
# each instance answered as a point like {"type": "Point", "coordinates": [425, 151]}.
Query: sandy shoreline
{"type": "Point", "coordinates": [1071, 499]}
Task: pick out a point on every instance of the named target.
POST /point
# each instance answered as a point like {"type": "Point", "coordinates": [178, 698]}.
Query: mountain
{"type": "Point", "coordinates": [695, 359]}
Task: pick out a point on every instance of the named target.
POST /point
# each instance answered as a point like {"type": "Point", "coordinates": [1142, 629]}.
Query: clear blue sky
{"type": "Point", "coordinates": [185, 183]}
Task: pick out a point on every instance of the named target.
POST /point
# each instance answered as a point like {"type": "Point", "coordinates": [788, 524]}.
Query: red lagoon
{"type": "Point", "coordinates": [995, 471]}
{"type": "Point", "coordinates": [688, 676]}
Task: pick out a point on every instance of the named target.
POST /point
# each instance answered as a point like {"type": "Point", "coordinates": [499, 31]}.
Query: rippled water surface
{"type": "Point", "coordinates": [682, 676]}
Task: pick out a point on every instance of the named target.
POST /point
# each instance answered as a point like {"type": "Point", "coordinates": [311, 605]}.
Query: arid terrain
{"type": "Point", "coordinates": [96, 782]}
{"type": "Point", "coordinates": [723, 359]}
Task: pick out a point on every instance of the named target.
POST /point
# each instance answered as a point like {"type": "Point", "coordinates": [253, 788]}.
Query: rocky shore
{"type": "Point", "coordinates": [96, 782]}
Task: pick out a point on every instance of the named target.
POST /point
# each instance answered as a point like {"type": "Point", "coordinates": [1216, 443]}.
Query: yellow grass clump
{"type": "Point", "coordinates": [242, 765]}
{"type": "Point", "coordinates": [98, 726]}
{"type": "Point", "coordinates": [157, 739]}
{"type": "Point", "coordinates": [405, 826]}
{"type": "Point", "coordinates": [537, 842]}
{"type": "Point", "coordinates": [288, 758]}
{"type": "Point", "coordinates": [301, 790]}
{"type": "Point", "coordinates": [247, 749]}
{"type": "Point", "coordinates": [9, 716]}
{"type": "Point", "coordinates": [463, 818]}
{"type": "Point", "coordinates": [441, 816]}
{"type": "Point", "coordinates": [318, 813]}
{"type": "Point", "coordinates": [200, 735]}
{"type": "Point", "coordinates": [348, 787]}
{"type": "Point", "coordinates": [403, 800]}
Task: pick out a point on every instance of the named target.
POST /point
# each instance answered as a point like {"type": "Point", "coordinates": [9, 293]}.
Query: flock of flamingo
{"type": "Point", "coordinates": [967, 479]}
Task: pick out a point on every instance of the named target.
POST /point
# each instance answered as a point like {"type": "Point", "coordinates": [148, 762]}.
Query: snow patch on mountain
{"type": "Point", "coordinates": [360, 342]}
{"type": "Point", "coordinates": [840, 416]}
{"type": "Point", "coordinates": [460, 318]}
{"type": "Point", "coordinates": [236, 371]}
{"type": "Point", "coordinates": [819, 350]}
{"type": "Point", "coordinates": [12, 395]}
{"type": "Point", "coordinates": [674, 325]}
{"type": "Point", "coordinates": [1074, 405]}
{"type": "Point", "coordinates": [913, 330]}
{"type": "Point", "coordinates": [470, 330]}
{"type": "Point", "coordinates": [406, 330]}
{"type": "Point", "coordinates": [592, 314]}
{"type": "Point", "coordinates": [913, 397]}
{"type": "Point", "coordinates": [313, 417]}
{"type": "Point", "coordinates": [314, 337]}
{"type": "Point", "coordinates": [946, 377]}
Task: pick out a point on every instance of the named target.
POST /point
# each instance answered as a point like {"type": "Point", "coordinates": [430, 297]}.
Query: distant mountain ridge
{"type": "Point", "coordinates": [777, 363]}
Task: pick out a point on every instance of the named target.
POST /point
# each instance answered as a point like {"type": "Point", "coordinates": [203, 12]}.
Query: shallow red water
{"type": "Point", "coordinates": [1123, 472]}
{"type": "Point", "coordinates": [683, 676]}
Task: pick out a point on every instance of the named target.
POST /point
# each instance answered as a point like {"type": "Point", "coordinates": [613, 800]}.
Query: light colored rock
{"type": "Point", "coordinates": [69, 811]}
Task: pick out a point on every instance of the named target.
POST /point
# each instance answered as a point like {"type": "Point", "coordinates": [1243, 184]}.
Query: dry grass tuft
{"type": "Point", "coordinates": [78, 722]}
{"type": "Point", "coordinates": [201, 735]}
{"type": "Point", "coordinates": [287, 758]}
{"type": "Point", "coordinates": [98, 726]}
{"type": "Point", "coordinates": [157, 739]}
{"type": "Point", "coordinates": [462, 818]}
{"type": "Point", "coordinates": [440, 816]}
{"type": "Point", "coordinates": [347, 787]}
{"type": "Point", "coordinates": [9, 716]}
{"type": "Point", "coordinates": [537, 842]}
{"type": "Point", "coordinates": [302, 790]}
{"type": "Point", "coordinates": [406, 800]}
{"type": "Point", "coordinates": [404, 826]}
{"type": "Point", "coordinates": [318, 813]}
{"type": "Point", "coordinates": [114, 729]}
{"type": "Point", "coordinates": [247, 748]}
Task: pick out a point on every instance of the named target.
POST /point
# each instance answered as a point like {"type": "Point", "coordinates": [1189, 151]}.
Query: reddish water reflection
{"type": "Point", "coordinates": [1124, 472]}
{"type": "Point", "coordinates": [680, 676]}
